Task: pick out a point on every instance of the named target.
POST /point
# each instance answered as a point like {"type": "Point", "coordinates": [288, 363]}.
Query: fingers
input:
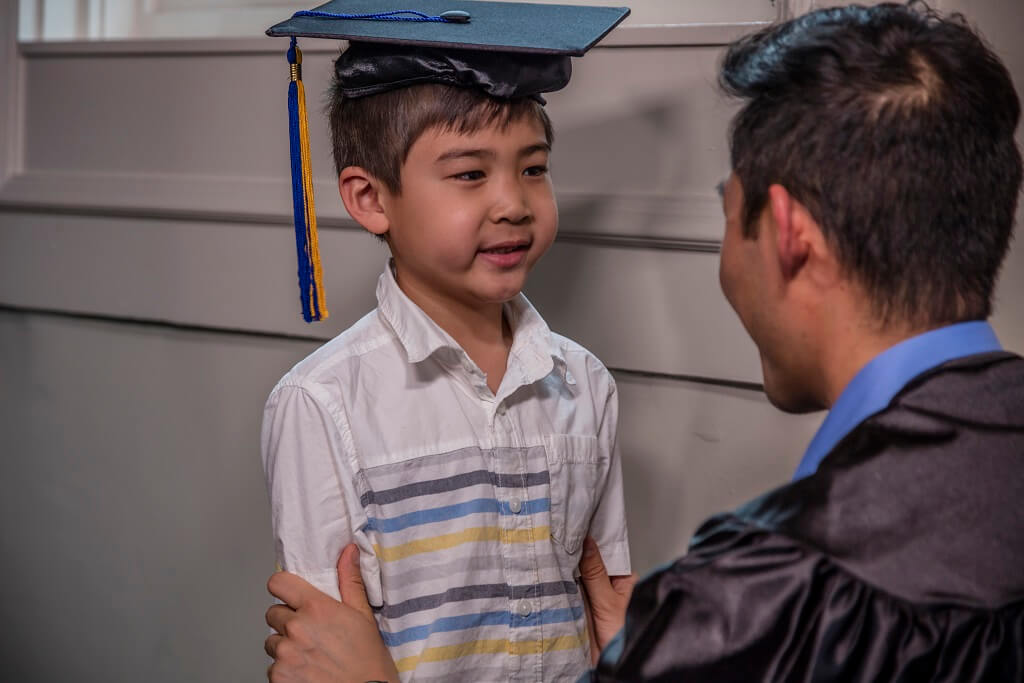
{"type": "Point", "coordinates": [294, 591]}
{"type": "Point", "coordinates": [595, 647]}
{"type": "Point", "coordinates": [350, 582]}
{"type": "Point", "coordinates": [278, 617]}
{"type": "Point", "coordinates": [271, 643]}
{"type": "Point", "coordinates": [289, 589]}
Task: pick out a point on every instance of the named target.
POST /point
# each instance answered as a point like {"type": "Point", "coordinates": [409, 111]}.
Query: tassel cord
{"type": "Point", "coordinates": [317, 304]}
{"type": "Point", "coordinates": [397, 15]}
{"type": "Point", "coordinates": [310, 270]}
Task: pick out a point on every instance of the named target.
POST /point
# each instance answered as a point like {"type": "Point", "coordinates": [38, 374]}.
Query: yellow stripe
{"type": "Point", "coordinates": [472, 535]}
{"type": "Point", "coordinates": [488, 647]}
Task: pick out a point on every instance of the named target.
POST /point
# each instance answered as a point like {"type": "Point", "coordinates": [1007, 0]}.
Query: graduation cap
{"type": "Point", "coordinates": [504, 49]}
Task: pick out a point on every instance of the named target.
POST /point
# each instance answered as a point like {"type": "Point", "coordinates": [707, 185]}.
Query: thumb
{"type": "Point", "coordinates": [592, 569]}
{"type": "Point", "coordinates": [350, 582]}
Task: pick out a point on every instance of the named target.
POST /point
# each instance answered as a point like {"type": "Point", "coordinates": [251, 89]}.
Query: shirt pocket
{"type": "Point", "coordinates": [577, 469]}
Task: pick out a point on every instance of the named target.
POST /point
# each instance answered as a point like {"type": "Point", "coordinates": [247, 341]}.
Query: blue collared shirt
{"type": "Point", "coordinates": [886, 374]}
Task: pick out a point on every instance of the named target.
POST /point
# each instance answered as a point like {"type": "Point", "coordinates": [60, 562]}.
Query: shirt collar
{"type": "Point", "coordinates": [873, 388]}
{"type": "Point", "coordinates": [535, 352]}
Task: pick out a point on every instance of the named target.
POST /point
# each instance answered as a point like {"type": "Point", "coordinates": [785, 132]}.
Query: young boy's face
{"type": "Point", "coordinates": [475, 213]}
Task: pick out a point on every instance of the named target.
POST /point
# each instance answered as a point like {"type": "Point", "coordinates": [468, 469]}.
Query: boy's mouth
{"type": "Point", "coordinates": [506, 247]}
{"type": "Point", "coordinates": [505, 255]}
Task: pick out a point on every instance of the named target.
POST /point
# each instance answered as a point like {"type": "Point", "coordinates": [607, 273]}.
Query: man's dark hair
{"type": "Point", "coordinates": [894, 126]}
{"type": "Point", "coordinates": [377, 132]}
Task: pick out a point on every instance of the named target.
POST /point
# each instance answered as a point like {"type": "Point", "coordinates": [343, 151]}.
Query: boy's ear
{"type": "Point", "coordinates": [361, 194]}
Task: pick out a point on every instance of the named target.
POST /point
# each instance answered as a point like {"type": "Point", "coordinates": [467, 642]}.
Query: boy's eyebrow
{"type": "Point", "coordinates": [461, 153]}
{"type": "Point", "coordinates": [464, 152]}
{"type": "Point", "coordinates": [533, 149]}
{"type": "Point", "coordinates": [720, 188]}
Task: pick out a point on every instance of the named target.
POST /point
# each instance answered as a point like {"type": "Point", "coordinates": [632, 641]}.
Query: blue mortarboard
{"type": "Point", "coordinates": [505, 49]}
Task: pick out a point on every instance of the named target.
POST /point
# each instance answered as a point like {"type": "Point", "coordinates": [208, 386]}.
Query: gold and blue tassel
{"type": "Point", "coordinates": [311, 285]}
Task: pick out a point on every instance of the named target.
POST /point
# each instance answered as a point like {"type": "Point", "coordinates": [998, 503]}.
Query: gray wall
{"type": "Point", "coordinates": [147, 306]}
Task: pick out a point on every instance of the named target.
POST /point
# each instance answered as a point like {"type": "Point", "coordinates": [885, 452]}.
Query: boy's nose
{"type": "Point", "coordinates": [511, 204]}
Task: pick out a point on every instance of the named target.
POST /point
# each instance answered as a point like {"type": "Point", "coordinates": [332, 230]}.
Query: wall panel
{"type": "Point", "coordinates": [197, 129]}
{"type": "Point", "coordinates": [139, 514]}
{"type": "Point", "coordinates": [635, 307]}
{"type": "Point", "coordinates": [134, 520]}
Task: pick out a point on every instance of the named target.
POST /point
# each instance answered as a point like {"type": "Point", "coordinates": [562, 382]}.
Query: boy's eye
{"type": "Point", "coordinates": [469, 175]}
{"type": "Point", "coordinates": [535, 171]}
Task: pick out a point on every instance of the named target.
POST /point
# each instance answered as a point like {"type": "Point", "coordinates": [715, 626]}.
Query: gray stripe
{"type": "Point", "coordinates": [459, 481]}
{"type": "Point", "coordinates": [491, 590]}
{"type": "Point", "coordinates": [466, 565]}
{"type": "Point", "coordinates": [474, 675]}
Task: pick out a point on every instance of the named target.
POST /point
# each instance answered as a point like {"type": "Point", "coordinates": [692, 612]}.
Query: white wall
{"type": "Point", "coordinates": [147, 305]}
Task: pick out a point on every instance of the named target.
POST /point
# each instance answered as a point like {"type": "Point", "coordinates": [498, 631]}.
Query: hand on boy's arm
{"type": "Point", "coordinates": [606, 596]}
{"type": "Point", "coordinates": [321, 640]}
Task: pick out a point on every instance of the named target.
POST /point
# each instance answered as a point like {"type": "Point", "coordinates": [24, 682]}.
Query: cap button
{"type": "Point", "coordinates": [455, 16]}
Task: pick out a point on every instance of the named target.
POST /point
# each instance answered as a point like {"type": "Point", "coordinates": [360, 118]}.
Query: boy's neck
{"type": "Point", "coordinates": [482, 331]}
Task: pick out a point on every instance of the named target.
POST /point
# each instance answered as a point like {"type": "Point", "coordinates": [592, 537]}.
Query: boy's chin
{"type": "Point", "coordinates": [499, 297]}
{"type": "Point", "coordinates": [499, 294]}
{"type": "Point", "coordinates": [499, 287]}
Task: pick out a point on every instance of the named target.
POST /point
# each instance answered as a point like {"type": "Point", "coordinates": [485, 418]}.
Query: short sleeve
{"type": "Point", "coordinates": [310, 487]}
{"type": "Point", "coordinates": [608, 525]}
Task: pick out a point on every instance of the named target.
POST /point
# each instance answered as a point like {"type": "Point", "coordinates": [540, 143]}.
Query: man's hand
{"type": "Point", "coordinates": [321, 640]}
{"type": "Point", "coordinates": [606, 597]}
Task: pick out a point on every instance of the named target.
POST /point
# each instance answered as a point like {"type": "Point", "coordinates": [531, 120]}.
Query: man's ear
{"type": "Point", "coordinates": [361, 194]}
{"type": "Point", "coordinates": [797, 234]}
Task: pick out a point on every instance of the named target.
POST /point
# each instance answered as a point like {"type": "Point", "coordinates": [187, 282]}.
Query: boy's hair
{"type": "Point", "coordinates": [376, 132]}
{"type": "Point", "coordinates": [895, 127]}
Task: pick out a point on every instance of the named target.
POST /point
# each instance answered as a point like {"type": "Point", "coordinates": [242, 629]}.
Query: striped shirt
{"type": "Point", "coordinates": [469, 507]}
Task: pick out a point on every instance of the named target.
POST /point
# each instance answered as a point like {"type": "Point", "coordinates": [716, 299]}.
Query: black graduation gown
{"type": "Point", "coordinates": [900, 559]}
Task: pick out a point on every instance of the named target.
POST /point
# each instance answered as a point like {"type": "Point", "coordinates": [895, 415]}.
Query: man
{"type": "Point", "coordinates": [875, 180]}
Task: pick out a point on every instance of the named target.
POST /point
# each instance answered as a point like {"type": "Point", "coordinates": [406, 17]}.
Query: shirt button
{"type": "Point", "coordinates": [523, 609]}
{"type": "Point", "coordinates": [515, 505]}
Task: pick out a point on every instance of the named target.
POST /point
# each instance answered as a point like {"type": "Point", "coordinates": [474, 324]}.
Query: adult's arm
{"type": "Point", "coordinates": [750, 604]}
{"type": "Point", "coordinates": [735, 608]}
{"type": "Point", "coordinates": [321, 640]}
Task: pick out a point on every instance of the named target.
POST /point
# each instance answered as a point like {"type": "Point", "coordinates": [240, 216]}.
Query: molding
{"type": "Point", "coordinates": [12, 100]}
{"type": "Point", "coordinates": [679, 35]}
{"type": "Point", "coordinates": [597, 239]}
{"type": "Point", "coordinates": [638, 36]}
{"type": "Point", "coordinates": [322, 336]}
{"type": "Point", "coordinates": [789, 9]}
{"type": "Point", "coordinates": [165, 46]}
{"type": "Point", "coordinates": [684, 222]}
{"type": "Point", "coordinates": [148, 195]}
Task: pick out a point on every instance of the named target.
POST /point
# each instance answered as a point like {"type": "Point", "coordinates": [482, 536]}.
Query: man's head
{"type": "Point", "coordinates": [892, 130]}
{"type": "Point", "coordinates": [455, 180]}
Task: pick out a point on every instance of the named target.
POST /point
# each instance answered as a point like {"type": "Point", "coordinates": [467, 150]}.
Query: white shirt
{"type": "Point", "coordinates": [469, 508]}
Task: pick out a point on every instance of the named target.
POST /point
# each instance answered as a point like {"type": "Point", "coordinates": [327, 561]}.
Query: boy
{"type": "Point", "coordinates": [465, 448]}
